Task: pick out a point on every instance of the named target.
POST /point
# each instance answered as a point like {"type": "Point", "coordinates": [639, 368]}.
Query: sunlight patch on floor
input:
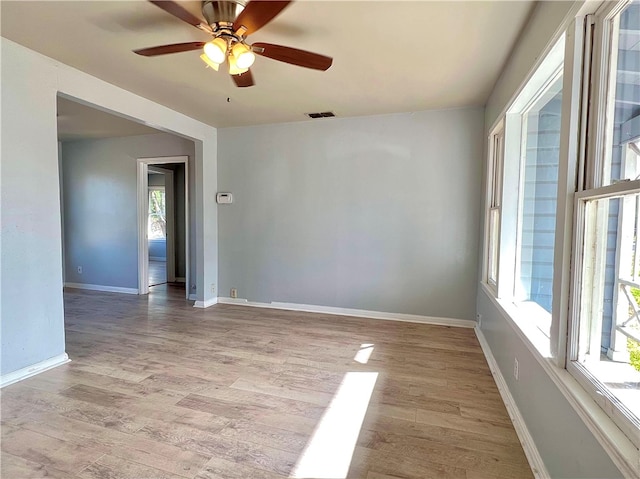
{"type": "Point", "coordinates": [364, 354]}
{"type": "Point", "coordinates": [330, 449]}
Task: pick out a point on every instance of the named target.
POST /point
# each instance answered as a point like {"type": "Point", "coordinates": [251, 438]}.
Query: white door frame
{"type": "Point", "coordinates": [170, 215]}
{"type": "Point", "coordinates": [143, 213]}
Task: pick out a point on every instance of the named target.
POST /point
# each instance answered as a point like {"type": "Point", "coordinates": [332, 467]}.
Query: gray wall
{"type": "Point", "coordinates": [567, 447]}
{"type": "Point", "coordinates": [31, 301]}
{"type": "Point", "coordinates": [32, 325]}
{"type": "Point", "coordinates": [375, 213]}
{"type": "Point", "coordinates": [100, 205]}
{"type": "Point", "coordinates": [158, 249]}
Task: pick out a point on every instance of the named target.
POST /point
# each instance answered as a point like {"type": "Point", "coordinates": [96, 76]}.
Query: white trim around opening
{"type": "Point", "coordinates": [143, 208]}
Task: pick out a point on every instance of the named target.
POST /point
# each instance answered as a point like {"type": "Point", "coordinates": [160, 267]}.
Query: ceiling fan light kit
{"type": "Point", "coordinates": [209, 63]}
{"type": "Point", "coordinates": [243, 55]}
{"type": "Point", "coordinates": [216, 50]}
{"type": "Point", "coordinates": [230, 22]}
{"type": "Point", "coordinates": [234, 68]}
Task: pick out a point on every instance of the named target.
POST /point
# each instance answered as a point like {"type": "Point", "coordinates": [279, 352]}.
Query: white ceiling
{"type": "Point", "coordinates": [76, 121]}
{"type": "Point", "coordinates": [389, 56]}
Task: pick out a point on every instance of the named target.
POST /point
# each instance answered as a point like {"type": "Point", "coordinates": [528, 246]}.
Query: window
{"type": "Point", "coordinates": [496, 154]}
{"type": "Point", "coordinates": [562, 256]}
{"type": "Point", "coordinates": [527, 211]}
{"type": "Point", "coordinates": [604, 350]}
{"type": "Point", "coordinates": [157, 221]}
{"type": "Point", "coordinates": [540, 133]}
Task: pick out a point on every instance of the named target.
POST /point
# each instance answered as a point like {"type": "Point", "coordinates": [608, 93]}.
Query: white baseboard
{"type": "Point", "coordinates": [158, 258]}
{"type": "Point", "coordinates": [530, 449]}
{"type": "Point", "coordinates": [205, 304]}
{"type": "Point", "coordinates": [34, 369]}
{"type": "Point", "coordinates": [180, 279]}
{"type": "Point", "coordinates": [100, 287]}
{"type": "Point", "coordinates": [360, 313]}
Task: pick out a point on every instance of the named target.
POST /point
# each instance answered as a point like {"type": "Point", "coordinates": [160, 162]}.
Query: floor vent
{"type": "Point", "coordinates": [324, 114]}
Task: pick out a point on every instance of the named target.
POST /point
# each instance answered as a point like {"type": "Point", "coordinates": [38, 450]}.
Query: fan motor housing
{"type": "Point", "coordinates": [222, 11]}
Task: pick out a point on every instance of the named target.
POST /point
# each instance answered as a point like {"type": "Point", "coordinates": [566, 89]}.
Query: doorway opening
{"type": "Point", "coordinates": [160, 226]}
{"type": "Point", "coordinates": [163, 225]}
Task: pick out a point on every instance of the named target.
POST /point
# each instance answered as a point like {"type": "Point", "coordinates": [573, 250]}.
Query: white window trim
{"type": "Point", "coordinates": [546, 72]}
{"type": "Point", "coordinates": [493, 195]}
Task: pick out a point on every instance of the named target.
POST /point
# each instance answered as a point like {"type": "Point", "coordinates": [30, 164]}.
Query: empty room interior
{"type": "Point", "coordinates": [320, 239]}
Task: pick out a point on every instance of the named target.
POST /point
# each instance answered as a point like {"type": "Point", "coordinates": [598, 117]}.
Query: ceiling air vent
{"type": "Point", "coordinates": [324, 114]}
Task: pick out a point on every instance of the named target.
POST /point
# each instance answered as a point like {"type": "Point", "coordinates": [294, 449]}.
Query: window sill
{"type": "Point", "coordinates": [617, 445]}
{"type": "Point", "coordinates": [526, 317]}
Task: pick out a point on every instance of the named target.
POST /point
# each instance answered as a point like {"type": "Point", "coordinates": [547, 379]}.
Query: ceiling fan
{"type": "Point", "coordinates": [229, 22]}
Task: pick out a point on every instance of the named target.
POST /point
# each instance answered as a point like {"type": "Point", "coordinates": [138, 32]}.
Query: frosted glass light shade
{"type": "Point", "coordinates": [243, 55]}
{"type": "Point", "coordinates": [216, 50]}
{"type": "Point", "coordinates": [234, 69]}
{"type": "Point", "coordinates": [205, 59]}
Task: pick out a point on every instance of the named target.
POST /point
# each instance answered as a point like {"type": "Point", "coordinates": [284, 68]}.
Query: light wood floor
{"type": "Point", "coordinates": [158, 390]}
{"type": "Point", "coordinates": [157, 272]}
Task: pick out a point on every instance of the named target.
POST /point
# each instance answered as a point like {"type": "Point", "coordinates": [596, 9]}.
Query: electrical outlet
{"type": "Point", "coordinates": [479, 319]}
{"type": "Point", "coordinates": [193, 287]}
{"type": "Point", "coordinates": [234, 292]}
{"type": "Point", "coordinates": [213, 288]}
{"type": "Point", "coordinates": [79, 269]}
{"type": "Point", "coordinates": [516, 369]}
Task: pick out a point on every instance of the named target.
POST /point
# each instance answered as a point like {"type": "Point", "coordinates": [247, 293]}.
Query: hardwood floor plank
{"type": "Point", "coordinates": [476, 426]}
{"type": "Point", "coordinates": [99, 396]}
{"type": "Point", "coordinates": [71, 408]}
{"type": "Point", "coordinates": [446, 454]}
{"type": "Point", "coordinates": [17, 467]}
{"type": "Point", "coordinates": [240, 404]}
{"type": "Point", "coordinates": [219, 468]}
{"type": "Point", "coordinates": [377, 475]}
{"type": "Point", "coordinates": [224, 408]}
{"type": "Point", "coordinates": [47, 451]}
{"type": "Point", "coordinates": [134, 448]}
{"type": "Point", "coordinates": [264, 435]}
{"type": "Point", "coordinates": [366, 460]}
{"type": "Point", "coordinates": [444, 435]}
{"type": "Point", "coordinates": [313, 397]}
{"type": "Point", "coordinates": [110, 467]}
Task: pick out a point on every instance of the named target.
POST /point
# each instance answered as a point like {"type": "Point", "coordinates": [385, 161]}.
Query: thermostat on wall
{"type": "Point", "coordinates": [224, 198]}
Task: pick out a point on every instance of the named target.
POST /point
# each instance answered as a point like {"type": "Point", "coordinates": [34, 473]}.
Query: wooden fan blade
{"type": "Point", "coordinates": [293, 56]}
{"type": "Point", "coordinates": [177, 11]}
{"type": "Point", "coordinates": [165, 49]}
{"type": "Point", "coordinates": [244, 79]}
{"type": "Point", "coordinates": [257, 14]}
